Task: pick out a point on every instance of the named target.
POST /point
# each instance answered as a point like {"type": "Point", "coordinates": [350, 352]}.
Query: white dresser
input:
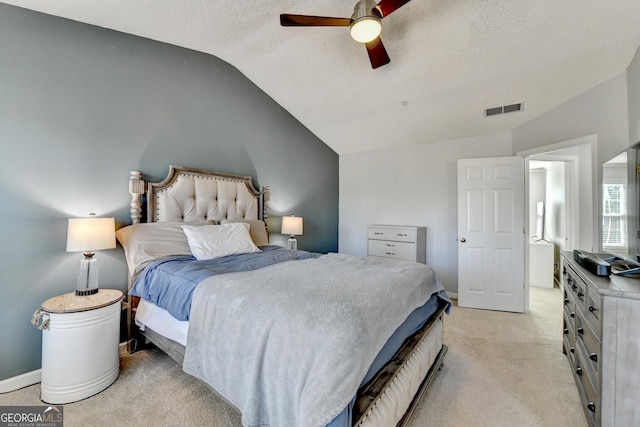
{"type": "Point", "coordinates": [398, 241]}
{"type": "Point", "coordinates": [601, 341]}
{"type": "Point", "coordinates": [541, 263]}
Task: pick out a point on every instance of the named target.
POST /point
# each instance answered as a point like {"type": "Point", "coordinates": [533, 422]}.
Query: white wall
{"type": "Point", "coordinates": [413, 185]}
{"type": "Point", "coordinates": [537, 191]}
{"type": "Point", "coordinates": [600, 114]}
{"type": "Point", "coordinates": [601, 111]}
{"type": "Point", "coordinates": [633, 82]}
{"type": "Point", "coordinates": [555, 203]}
{"type": "Point", "coordinates": [417, 184]}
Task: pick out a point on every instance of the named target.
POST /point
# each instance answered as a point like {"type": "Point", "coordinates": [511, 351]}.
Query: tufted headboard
{"type": "Point", "coordinates": [190, 195]}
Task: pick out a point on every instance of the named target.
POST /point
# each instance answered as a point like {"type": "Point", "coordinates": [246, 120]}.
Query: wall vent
{"type": "Point", "coordinates": [503, 110]}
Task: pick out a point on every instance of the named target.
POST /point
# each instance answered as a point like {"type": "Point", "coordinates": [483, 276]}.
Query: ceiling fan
{"type": "Point", "coordinates": [365, 25]}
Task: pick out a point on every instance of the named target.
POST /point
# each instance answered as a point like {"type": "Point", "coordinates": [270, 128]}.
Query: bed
{"type": "Point", "coordinates": [285, 337]}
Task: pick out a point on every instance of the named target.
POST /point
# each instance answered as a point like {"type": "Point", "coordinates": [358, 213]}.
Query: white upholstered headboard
{"type": "Point", "coordinates": [189, 195]}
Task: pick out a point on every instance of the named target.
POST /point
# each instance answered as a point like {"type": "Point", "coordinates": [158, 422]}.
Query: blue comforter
{"type": "Point", "coordinates": [170, 282]}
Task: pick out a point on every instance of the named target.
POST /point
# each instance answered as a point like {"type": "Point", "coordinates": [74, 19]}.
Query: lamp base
{"type": "Point", "coordinates": [292, 244]}
{"type": "Point", "coordinates": [86, 292]}
{"type": "Point", "coordinates": [87, 276]}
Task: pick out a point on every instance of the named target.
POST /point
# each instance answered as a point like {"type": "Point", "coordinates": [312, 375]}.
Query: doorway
{"type": "Point", "coordinates": [562, 176]}
{"type": "Point", "coordinates": [549, 216]}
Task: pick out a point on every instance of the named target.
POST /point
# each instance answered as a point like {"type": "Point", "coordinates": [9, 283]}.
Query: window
{"type": "Point", "coordinates": [614, 227]}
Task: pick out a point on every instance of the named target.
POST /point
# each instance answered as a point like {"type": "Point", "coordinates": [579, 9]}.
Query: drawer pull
{"type": "Point", "coordinates": [580, 331]}
{"type": "Point", "coordinates": [402, 235]}
{"type": "Point", "coordinates": [574, 287]}
{"type": "Point", "coordinates": [566, 301]}
{"type": "Point", "coordinates": [566, 331]}
{"type": "Point", "coordinates": [580, 294]}
{"type": "Point", "coordinates": [389, 253]}
{"type": "Point", "coordinates": [592, 309]}
{"type": "Point", "coordinates": [572, 349]}
{"type": "Point", "coordinates": [592, 407]}
{"type": "Point", "coordinates": [390, 245]}
{"type": "Point", "coordinates": [377, 233]}
{"type": "Point", "coordinates": [573, 314]}
{"type": "Point", "coordinates": [579, 371]}
{"type": "Point", "coordinates": [593, 357]}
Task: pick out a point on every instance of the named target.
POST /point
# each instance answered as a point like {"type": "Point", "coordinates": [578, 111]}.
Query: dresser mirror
{"type": "Point", "coordinates": [619, 213]}
{"type": "Point", "coordinates": [615, 185]}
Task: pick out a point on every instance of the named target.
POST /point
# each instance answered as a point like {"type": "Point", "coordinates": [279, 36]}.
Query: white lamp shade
{"type": "Point", "coordinates": [91, 234]}
{"type": "Point", "coordinates": [292, 225]}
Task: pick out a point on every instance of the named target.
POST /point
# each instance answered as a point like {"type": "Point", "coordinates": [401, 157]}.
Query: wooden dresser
{"type": "Point", "coordinates": [398, 241]}
{"type": "Point", "coordinates": [602, 342]}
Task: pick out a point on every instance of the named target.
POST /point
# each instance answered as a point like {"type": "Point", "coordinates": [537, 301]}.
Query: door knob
{"type": "Point", "coordinates": [462, 240]}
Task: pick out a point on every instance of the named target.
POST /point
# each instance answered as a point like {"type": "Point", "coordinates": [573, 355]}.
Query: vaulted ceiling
{"type": "Point", "coordinates": [450, 59]}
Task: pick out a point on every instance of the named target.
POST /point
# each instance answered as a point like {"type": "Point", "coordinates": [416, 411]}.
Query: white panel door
{"type": "Point", "coordinates": [491, 234]}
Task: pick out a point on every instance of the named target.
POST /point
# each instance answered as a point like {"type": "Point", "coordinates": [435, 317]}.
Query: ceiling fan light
{"type": "Point", "coordinates": [365, 29]}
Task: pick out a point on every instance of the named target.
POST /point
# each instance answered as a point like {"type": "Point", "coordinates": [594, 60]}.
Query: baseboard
{"type": "Point", "coordinates": [452, 295]}
{"type": "Point", "coordinates": [20, 381]}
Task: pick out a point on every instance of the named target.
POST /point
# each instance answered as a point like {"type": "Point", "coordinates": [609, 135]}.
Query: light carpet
{"type": "Point", "coordinates": [502, 369]}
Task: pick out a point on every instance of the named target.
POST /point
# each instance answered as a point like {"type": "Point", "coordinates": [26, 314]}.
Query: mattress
{"type": "Point", "coordinates": [392, 392]}
{"type": "Point", "coordinates": [149, 315]}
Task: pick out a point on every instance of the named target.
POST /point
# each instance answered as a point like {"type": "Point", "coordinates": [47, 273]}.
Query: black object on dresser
{"type": "Point", "coordinates": [592, 263]}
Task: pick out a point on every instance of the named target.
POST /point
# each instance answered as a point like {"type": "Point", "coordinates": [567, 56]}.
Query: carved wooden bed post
{"type": "Point", "coordinates": [265, 204]}
{"type": "Point", "coordinates": [136, 189]}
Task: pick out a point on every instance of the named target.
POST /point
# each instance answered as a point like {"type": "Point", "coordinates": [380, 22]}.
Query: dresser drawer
{"type": "Point", "coordinates": [577, 287]}
{"type": "Point", "coordinates": [395, 234]}
{"type": "Point", "coordinates": [399, 250]}
{"type": "Point", "coordinates": [568, 297]}
{"type": "Point", "coordinates": [570, 316]}
{"type": "Point", "coordinates": [569, 340]}
{"type": "Point", "coordinates": [588, 394]}
{"type": "Point", "coordinates": [593, 310]}
{"type": "Point", "coordinates": [587, 341]}
{"type": "Point", "coordinates": [569, 305]}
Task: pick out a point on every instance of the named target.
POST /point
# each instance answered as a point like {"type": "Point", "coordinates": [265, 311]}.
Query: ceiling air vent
{"type": "Point", "coordinates": [493, 111]}
{"type": "Point", "coordinates": [502, 110]}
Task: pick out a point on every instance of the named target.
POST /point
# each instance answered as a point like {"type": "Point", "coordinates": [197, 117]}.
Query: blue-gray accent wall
{"type": "Point", "coordinates": [81, 106]}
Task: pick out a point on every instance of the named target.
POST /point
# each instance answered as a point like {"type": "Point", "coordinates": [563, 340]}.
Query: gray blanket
{"type": "Point", "coordinates": [289, 344]}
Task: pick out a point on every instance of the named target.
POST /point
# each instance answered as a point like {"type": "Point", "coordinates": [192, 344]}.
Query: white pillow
{"type": "Point", "coordinates": [215, 241]}
{"type": "Point", "coordinates": [257, 229]}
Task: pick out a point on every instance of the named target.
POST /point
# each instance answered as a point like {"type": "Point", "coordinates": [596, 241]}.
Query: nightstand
{"type": "Point", "coordinates": [80, 355]}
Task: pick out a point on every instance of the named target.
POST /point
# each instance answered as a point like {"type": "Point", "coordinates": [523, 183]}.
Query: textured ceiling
{"type": "Point", "coordinates": [450, 59]}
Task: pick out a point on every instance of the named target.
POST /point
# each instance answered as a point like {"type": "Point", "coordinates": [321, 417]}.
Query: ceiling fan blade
{"type": "Point", "coordinates": [377, 53]}
{"type": "Point", "coordinates": [386, 7]}
{"type": "Point", "coordinates": [288, 20]}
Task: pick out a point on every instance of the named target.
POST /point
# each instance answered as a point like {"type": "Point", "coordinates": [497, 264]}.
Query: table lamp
{"type": "Point", "coordinates": [292, 225]}
{"type": "Point", "coordinates": [88, 235]}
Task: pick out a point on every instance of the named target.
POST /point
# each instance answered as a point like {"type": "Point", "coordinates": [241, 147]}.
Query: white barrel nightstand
{"type": "Point", "coordinates": [80, 337]}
